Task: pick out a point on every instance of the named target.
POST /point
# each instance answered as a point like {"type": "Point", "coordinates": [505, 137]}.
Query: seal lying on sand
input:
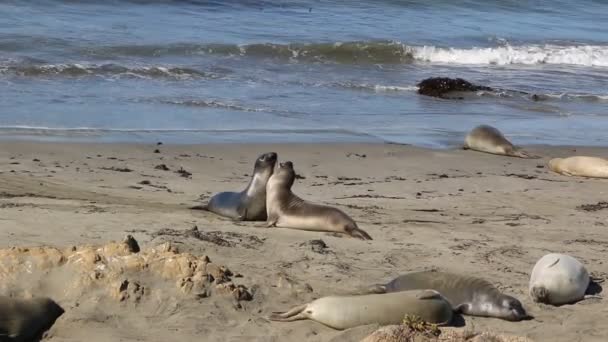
{"type": "Point", "coordinates": [443, 86]}
{"type": "Point", "coordinates": [290, 211]}
{"type": "Point", "coordinates": [26, 319]}
{"type": "Point", "coordinates": [249, 204]}
{"type": "Point", "coordinates": [488, 139]}
{"type": "Point", "coordinates": [467, 295]}
{"type": "Point", "coordinates": [351, 311]}
{"type": "Point", "coordinates": [580, 166]}
{"type": "Point", "coordinates": [559, 279]}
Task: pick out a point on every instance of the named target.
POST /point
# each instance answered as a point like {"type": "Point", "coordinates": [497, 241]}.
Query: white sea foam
{"type": "Point", "coordinates": [584, 55]}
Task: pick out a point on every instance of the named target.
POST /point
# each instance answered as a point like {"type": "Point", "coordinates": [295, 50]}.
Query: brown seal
{"type": "Point", "coordinates": [287, 210]}
{"type": "Point", "coordinates": [468, 295]}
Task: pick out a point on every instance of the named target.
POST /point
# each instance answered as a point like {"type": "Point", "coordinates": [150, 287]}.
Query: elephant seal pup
{"type": "Point", "coordinates": [488, 139]}
{"type": "Point", "coordinates": [287, 210]}
{"type": "Point", "coordinates": [593, 167]}
{"type": "Point", "coordinates": [350, 311]}
{"type": "Point", "coordinates": [26, 319]}
{"type": "Point", "coordinates": [249, 204]}
{"type": "Point", "coordinates": [467, 295]}
{"type": "Point", "coordinates": [558, 279]}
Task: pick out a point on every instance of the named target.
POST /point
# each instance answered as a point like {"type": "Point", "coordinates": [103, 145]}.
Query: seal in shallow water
{"type": "Point", "coordinates": [26, 319]}
{"type": "Point", "coordinates": [488, 139]}
{"type": "Point", "coordinates": [287, 210]}
{"type": "Point", "coordinates": [580, 166]}
{"type": "Point", "coordinates": [558, 279]}
{"type": "Point", "coordinates": [467, 295]}
{"type": "Point", "coordinates": [351, 311]}
{"type": "Point", "coordinates": [249, 204]}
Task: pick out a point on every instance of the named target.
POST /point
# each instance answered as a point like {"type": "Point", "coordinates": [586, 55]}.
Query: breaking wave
{"type": "Point", "coordinates": [105, 70]}
{"type": "Point", "coordinates": [361, 52]}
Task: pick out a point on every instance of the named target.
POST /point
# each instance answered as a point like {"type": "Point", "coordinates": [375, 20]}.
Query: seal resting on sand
{"type": "Point", "coordinates": [249, 204]}
{"type": "Point", "coordinates": [559, 279]}
{"type": "Point", "coordinates": [25, 320]}
{"type": "Point", "coordinates": [467, 295]}
{"type": "Point", "coordinates": [582, 166]}
{"type": "Point", "coordinates": [488, 139]}
{"type": "Point", "coordinates": [350, 311]}
{"type": "Point", "coordinates": [287, 210]}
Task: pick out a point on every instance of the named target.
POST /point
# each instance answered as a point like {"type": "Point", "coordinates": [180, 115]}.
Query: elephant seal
{"type": "Point", "coordinates": [249, 204]}
{"type": "Point", "coordinates": [467, 295]}
{"type": "Point", "coordinates": [558, 279]}
{"type": "Point", "coordinates": [286, 210]}
{"type": "Point", "coordinates": [488, 139]}
{"type": "Point", "coordinates": [26, 319]}
{"type": "Point", "coordinates": [343, 312]}
{"type": "Point", "coordinates": [582, 166]}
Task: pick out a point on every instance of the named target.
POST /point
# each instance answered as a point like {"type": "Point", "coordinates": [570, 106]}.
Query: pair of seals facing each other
{"type": "Point", "coordinates": [286, 210]}
{"type": "Point", "coordinates": [582, 166]}
{"type": "Point", "coordinates": [25, 320]}
{"type": "Point", "coordinates": [343, 312]}
{"type": "Point", "coordinates": [559, 279]}
{"type": "Point", "coordinates": [467, 295]}
{"type": "Point", "coordinates": [249, 204]}
{"type": "Point", "coordinates": [488, 139]}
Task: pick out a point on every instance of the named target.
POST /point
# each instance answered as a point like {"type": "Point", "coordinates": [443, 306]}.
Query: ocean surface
{"type": "Point", "coordinates": [301, 71]}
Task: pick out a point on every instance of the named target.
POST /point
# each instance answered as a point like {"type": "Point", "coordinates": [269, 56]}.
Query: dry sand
{"type": "Point", "coordinates": [452, 210]}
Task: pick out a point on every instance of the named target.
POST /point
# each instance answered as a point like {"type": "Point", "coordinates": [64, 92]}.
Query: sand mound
{"type": "Point", "coordinates": [119, 269]}
{"type": "Point", "coordinates": [403, 333]}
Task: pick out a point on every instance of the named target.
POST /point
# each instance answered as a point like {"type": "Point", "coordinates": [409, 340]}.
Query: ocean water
{"type": "Point", "coordinates": [301, 71]}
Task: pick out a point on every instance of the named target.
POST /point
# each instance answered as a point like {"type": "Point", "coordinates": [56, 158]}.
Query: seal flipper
{"type": "Point", "coordinates": [358, 233]}
{"type": "Point", "coordinates": [518, 152]}
{"type": "Point", "coordinates": [539, 294]}
{"type": "Point", "coordinates": [294, 314]}
{"type": "Point", "coordinates": [463, 308]}
{"type": "Point", "coordinates": [590, 296]}
{"type": "Point", "coordinates": [204, 207]}
{"type": "Point", "coordinates": [429, 294]}
{"type": "Point", "coordinates": [241, 211]}
{"type": "Point", "coordinates": [271, 220]}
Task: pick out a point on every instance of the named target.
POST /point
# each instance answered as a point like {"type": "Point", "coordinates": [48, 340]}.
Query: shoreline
{"type": "Point", "coordinates": [453, 210]}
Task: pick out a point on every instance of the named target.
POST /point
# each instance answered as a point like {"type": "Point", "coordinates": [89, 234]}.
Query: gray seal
{"type": "Point", "coordinates": [467, 295]}
{"type": "Point", "coordinates": [249, 204]}
{"type": "Point", "coordinates": [488, 139]}
{"type": "Point", "coordinates": [24, 320]}
{"type": "Point", "coordinates": [287, 210]}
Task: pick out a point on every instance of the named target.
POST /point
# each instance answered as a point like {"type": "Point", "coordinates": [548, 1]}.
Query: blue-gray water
{"type": "Point", "coordinates": [316, 70]}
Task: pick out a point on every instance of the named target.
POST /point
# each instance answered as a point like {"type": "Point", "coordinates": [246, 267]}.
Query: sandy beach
{"type": "Point", "coordinates": [451, 210]}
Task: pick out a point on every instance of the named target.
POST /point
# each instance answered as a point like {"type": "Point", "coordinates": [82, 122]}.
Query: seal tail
{"type": "Point", "coordinates": [204, 207]}
{"type": "Point", "coordinates": [294, 314]}
{"type": "Point", "coordinates": [358, 233]}
{"type": "Point", "coordinates": [523, 154]}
